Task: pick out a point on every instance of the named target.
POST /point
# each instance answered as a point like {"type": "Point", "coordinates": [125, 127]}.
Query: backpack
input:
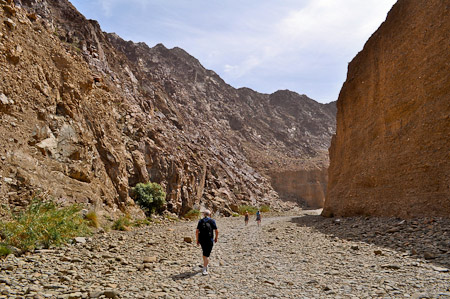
{"type": "Point", "coordinates": [205, 231]}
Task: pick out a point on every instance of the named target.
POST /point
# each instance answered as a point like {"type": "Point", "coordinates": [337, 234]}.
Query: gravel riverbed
{"type": "Point", "coordinates": [304, 256]}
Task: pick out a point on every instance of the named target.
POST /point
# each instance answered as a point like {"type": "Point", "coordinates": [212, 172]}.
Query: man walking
{"type": "Point", "coordinates": [204, 236]}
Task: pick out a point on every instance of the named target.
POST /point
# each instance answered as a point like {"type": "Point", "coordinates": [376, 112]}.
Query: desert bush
{"type": "Point", "coordinates": [171, 218]}
{"type": "Point", "coordinates": [92, 219]}
{"type": "Point", "coordinates": [122, 224]}
{"type": "Point", "coordinates": [142, 222]}
{"type": "Point", "coordinates": [150, 196]}
{"type": "Point", "coordinates": [235, 214]}
{"type": "Point", "coordinates": [4, 250]}
{"type": "Point", "coordinates": [250, 209]}
{"type": "Point", "coordinates": [42, 225]}
{"type": "Point", "coordinates": [192, 214]}
{"type": "Point", "coordinates": [264, 208]}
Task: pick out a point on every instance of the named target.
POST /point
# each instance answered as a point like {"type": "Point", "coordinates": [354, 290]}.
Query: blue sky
{"type": "Point", "coordinates": [300, 45]}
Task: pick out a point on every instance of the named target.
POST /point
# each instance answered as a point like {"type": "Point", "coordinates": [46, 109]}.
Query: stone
{"type": "Point", "coordinates": [111, 294]}
{"type": "Point", "coordinates": [420, 296]}
{"type": "Point", "coordinates": [5, 280]}
{"type": "Point", "coordinates": [378, 252]}
{"type": "Point", "coordinates": [393, 230]}
{"type": "Point", "coordinates": [390, 266]}
{"type": "Point", "coordinates": [8, 180]}
{"type": "Point", "coordinates": [429, 255]}
{"type": "Point", "coordinates": [354, 247]}
{"type": "Point", "coordinates": [4, 100]}
{"type": "Point", "coordinates": [48, 146]}
{"type": "Point", "coordinates": [95, 294]}
{"type": "Point", "coordinates": [150, 259]}
{"type": "Point", "coordinates": [32, 16]}
{"type": "Point", "coordinates": [80, 240]}
{"type": "Point", "coordinates": [439, 269]}
{"type": "Point", "coordinates": [187, 239]}
{"type": "Point", "coordinates": [76, 295]}
{"type": "Point", "coordinates": [10, 23]}
{"type": "Point", "coordinates": [9, 9]}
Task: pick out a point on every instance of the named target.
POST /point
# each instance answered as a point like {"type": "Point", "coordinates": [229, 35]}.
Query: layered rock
{"type": "Point", "coordinates": [85, 116]}
{"type": "Point", "coordinates": [391, 152]}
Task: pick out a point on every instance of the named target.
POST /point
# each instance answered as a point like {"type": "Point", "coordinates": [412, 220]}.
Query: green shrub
{"type": "Point", "coordinates": [4, 250]}
{"type": "Point", "coordinates": [250, 209]}
{"type": "Point", "coordinates": [235, 215]}
{"type": "Point", "coordinates": [142, 222]}
{"type": "Point", "coordinates": [42, 225]}
{"type": "Point", "coordinates": [150, 196]}
{"type": "Point", "coordinates": [92, 219]}
{"type": "Point", "coordinates": [122, 224]}
{"type": "Point", "coordinates": [265, 208]}
{"type": "Point", "coordinates": [192, 214]}
{"type": "Point", "coordinates": [172, 218]}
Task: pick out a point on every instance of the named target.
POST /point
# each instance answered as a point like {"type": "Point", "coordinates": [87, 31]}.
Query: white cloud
{"type": "Point", "coordinates": [321, 27]}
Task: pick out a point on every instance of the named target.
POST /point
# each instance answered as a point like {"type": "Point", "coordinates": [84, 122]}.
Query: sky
{"type": "Point", "coordinates": [266, 45]}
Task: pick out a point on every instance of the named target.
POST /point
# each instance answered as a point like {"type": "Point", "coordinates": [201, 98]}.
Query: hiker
{"type": "Point", "coordinates": [258, 217]}
{"type": "Point", "coordinates": [204, 236]}
{"type": "Point", "coordinates": [246, 218]}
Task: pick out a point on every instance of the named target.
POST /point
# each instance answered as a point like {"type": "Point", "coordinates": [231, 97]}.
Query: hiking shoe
{"type": "Point", "coordinates": [205, 271]}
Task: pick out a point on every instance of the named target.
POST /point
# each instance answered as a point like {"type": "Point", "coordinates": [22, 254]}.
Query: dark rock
{"type": "Point", "coordinates": [429, 255]}
{"type": "Point", "coordinates": [378, 252]}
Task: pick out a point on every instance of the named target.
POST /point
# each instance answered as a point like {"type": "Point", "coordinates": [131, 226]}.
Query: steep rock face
{"type": "Point", "coordinates": [86, 115]}
{"type": "Point", "coordinates": [391, 152]}
{"type": "Point", "coordinates": [304, 187]}
{"type": "Point", "coordinates": [280, 132]}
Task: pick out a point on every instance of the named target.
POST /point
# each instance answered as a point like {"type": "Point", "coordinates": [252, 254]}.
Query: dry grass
{"type": "Point", "coordinates": [43, 224]}
{"type": "Point", "coordinates": [92, 219]}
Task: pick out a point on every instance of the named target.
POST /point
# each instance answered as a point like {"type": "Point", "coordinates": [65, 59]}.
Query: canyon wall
{"type": "Point", "coordinates": [391, 152]}
{"type": "Point", "coordinates": [85, 115]}
{"type": "Point", "coordinates": [305, 187]}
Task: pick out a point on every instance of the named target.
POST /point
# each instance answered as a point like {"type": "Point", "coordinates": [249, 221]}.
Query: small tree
{"type": "Point", "coordinates": [150, 196]}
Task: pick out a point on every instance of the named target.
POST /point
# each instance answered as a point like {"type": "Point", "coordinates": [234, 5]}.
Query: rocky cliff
{"type": "Point", "coordinates": [391, 152]}
{"type": "Point", "coordinates": [86, 115]}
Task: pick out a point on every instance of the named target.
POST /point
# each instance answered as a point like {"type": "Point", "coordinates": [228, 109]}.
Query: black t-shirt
{"type": "Point", "coordinates": [211, 222]}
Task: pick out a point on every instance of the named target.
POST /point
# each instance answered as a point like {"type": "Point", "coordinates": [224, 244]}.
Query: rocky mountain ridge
{"type": "Point", "coordinates": [87, 115]}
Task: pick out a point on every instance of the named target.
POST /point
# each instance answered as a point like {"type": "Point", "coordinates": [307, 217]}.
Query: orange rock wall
{"type": "Point", "coordinates": [305, 187]}
{"type": "Point", "coordinates": [391, 152]}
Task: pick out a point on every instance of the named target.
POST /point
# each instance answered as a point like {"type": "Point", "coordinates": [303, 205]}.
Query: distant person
{"type": "Point", "coordinates": [246, 218]}
{"type": "Point", "coordinates": [258, 217]}
{"type": "Point", "coordinates": [204, 236]}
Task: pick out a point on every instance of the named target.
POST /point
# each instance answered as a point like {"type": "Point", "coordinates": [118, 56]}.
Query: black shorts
{"type": "Point", "coordinates": [207, 247]}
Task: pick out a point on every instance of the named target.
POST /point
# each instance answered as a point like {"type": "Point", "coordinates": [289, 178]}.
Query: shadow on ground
{"type": "Point", "coordinates": [427, 238]}
{"type": "Point", "coordinates": [185, 275]}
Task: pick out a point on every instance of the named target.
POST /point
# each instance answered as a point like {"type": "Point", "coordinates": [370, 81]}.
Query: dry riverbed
{"type": "Point", "coordinates": [303, 256]}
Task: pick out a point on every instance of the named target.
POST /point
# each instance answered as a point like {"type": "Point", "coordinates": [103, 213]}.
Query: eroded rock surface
{"type": "Point", "coordinates": [391, 152]}
{"type": "Point", "coordinates": [86, 115]}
